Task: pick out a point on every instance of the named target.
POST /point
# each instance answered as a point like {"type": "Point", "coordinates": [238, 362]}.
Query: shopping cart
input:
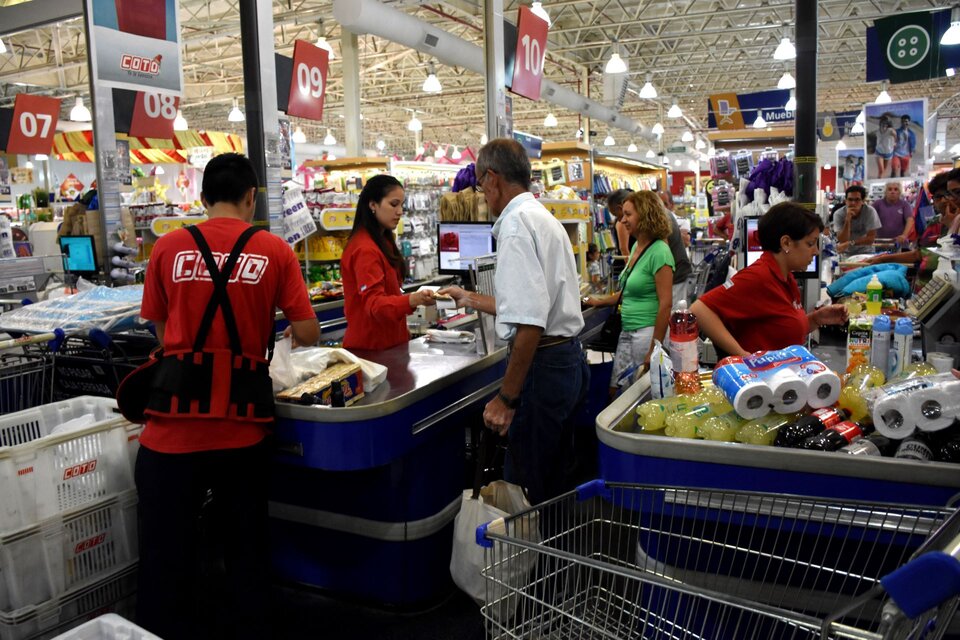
{"type": "Point", "coordinates": [634, 561]}
{"type": "Point", "coordinates": [26, 379]}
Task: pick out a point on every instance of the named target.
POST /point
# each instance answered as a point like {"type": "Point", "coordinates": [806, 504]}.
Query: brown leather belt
{"type": "Point", "coordinates": [553, 341]}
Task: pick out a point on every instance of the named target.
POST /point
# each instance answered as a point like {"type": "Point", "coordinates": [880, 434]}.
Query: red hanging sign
{"type": "Point", "coordinates": [34, 124]}
{"type": "Point", "coordinates": [531, 53]}
{"type": "Point", "coordinates": [309, 82]}
{"type": "Point", "coordinates": [153, 115]}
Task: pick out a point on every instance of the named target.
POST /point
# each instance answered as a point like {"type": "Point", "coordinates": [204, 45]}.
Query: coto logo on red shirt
{"type": "Point", "coordinates": [189, 266]}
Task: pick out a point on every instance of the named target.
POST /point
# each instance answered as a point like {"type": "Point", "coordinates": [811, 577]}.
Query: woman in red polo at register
{"type": "Point", "coordinates": [760, 307]}
{"type": "Point", "coordinates": [372, 267]}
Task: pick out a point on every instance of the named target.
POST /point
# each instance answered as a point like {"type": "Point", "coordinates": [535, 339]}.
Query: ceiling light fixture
{"type": "Point", "coordinates": [955, 149]}
{"type": "Point", "coordinates": [550, 120]}
{"type": "Point", "coordinates": [3, 47]}
{"type": "Point", "coordinates": [632, 148]}
{"type": "Point", "coordinates": [323, 44]}
{"type": "Point", "coordinates": [657, 129]}
{"type": "Point", "coordinates": [950, 72]}
{"type": "Point", "coordinates": [158, 170]}
{"type": "Point", "coordinates": [79, 112]}
{"type": "Point", "coordinates": [330, 156]}
{"type": "Point", "coordinates": [235, 114]}
{"type": "Point", "coordinates": [759, 123]}
{"type": "Point", "coordinates": [483, 138]}
{"type": "Point", "coordinates": [439, 153]}
{"type": "Point", "coordinates": [650, 154]}
{"type": "Point", "coordinates": [787, 81]}
{"type": "Point", "coordinates": [28, 165]}
{"type": "Point", "coordinates": [861, 117]}
{"type": "Point", "coordinates": [329, 139]}
{"type": "Point", "coordinates": [43, 156]}
{"type": "Point", "coordinates": [827, 166]}
{"type": "Point", "coordinates": [609, 141]}
{"type": "Point", "coordinates": [414, 124]}
{"type": "Point", "coordinates": [883, 97]}
{"type": "Point", "coordinates": [939, 148]}
{"type": "Point", "coordinates": [537, 9]}
{"type": "Point", "coordinates": [952, 35]}
{"type": "Point", "coordinates": [785, 50]}
{"type": "Point", "coordinates": [381, 145]}
{"type": "Point", "coordinates": [180, 123]}
{"type": "Point", "coordinates": [711, 152]}
{"type": "Point", "coordinates": [841, 145]}
{"type": "Point", "coordinates": [677, 162]}
{"type": "Point", "coordinates": [687, 136]}
{"type": "Point", "coordinates": [648, 91]}
{"type": "Point", "coordinates": [700, 144]}
{"type": "Point", "coordinates": [616, 64]}
{"type": "Point", "coordinates": [792, 102]}
{"type": "Point", "coordinates": [456, 155]}
{"type": "Point", "coordinates": [675, 111]}
{"type": "Point", "coordinates": [432, 83]}
{"type": "Point", "coordinates": [857, 128]}
{"type": "Point", "coordinates": [420, 150]}
{"type": "Point", "coordinates": [299, 137]}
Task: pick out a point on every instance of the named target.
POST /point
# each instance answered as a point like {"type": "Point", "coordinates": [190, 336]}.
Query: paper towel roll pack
{"type": "Point", "coordinates": [927, 403]}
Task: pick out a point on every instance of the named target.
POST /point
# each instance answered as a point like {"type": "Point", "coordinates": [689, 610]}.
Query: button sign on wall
{"type": "Point", "coordinates": [309, 81]}
{"type": "Point", "coordinates": [153, 115]}
{"type": "Point", "coordinates": [531, 52]}
{"type": "Point", "coordinates": [34, 123]}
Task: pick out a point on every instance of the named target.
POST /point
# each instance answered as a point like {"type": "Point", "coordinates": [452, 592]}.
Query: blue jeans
{"type": "Point", "coordinates": [541, 452]}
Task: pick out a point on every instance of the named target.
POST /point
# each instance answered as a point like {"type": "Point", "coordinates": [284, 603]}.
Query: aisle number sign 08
{"type": "Point", "coordinates": [309, 82]}
{"type": "Point", "coordinates": [153, 115]}
{"type": "Point", "coordinates": [531, 52]}
{"type": "Point", "coordinates": [34, 124]}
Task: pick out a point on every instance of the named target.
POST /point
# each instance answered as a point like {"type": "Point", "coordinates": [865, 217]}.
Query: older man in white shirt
{"type": "Point", "coordinates": [537, 304]}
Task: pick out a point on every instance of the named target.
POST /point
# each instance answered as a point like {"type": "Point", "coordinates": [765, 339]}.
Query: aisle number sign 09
{"type": "Point", "coordinates": [153, 115]}
{"type": "Point", "coordinates": [531, 52]}
{"type": "Point", "coordinates": [34, 124]}
{"type": "Point", "coordinates": [309, 82]}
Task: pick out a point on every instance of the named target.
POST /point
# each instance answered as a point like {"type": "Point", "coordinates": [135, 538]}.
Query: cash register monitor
{"type": "Point", "coordinates": [753, 250]}
{"type": "Point", "coordinates": [79, 255]}
{"type": "Point", "coordinates": [458, 243]}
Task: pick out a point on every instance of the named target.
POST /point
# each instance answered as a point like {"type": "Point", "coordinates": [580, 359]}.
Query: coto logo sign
{"type": "Point", "coordinates": [149, 66]}
{"type": "Point", "coordinates": [79, 469]}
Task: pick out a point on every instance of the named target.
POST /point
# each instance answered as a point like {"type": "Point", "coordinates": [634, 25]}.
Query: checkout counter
{"type": "Point", "coordinates": [364, 497]}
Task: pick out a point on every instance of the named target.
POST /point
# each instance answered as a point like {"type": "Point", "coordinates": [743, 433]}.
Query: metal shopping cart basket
{"type": "Point", "coordinates": [635, 561]}
{"type": "Point", "coordinates": [26, 378]}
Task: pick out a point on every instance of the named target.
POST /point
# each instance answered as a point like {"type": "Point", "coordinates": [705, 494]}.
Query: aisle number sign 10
{"type": "Point", "coordinates": [309, 82]}
{"type": "Point", "coordinates": [531, 51]}
{"type": "Point", "coordinates": [153, 115]}
{"type": "Point", "coordinates": [34, 124]}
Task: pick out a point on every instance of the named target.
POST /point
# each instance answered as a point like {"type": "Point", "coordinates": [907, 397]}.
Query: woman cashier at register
{"type": "Point", "coordinates": [372, 267]}
{"type": "Point", "coordinates": [760, 307]}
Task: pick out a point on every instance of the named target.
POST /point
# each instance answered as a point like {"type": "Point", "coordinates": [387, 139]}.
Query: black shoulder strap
{"type": "Point", "coordinates": [219, 298]}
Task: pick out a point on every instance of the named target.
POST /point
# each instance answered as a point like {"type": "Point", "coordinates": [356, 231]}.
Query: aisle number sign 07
{"type": "Point", "coordinates": [153, 115]}
{"type": "Point", "coordinates": [309, 82]}
{"type": "Point", "coordinates": [34, 124]}
{"type": "Point", "coordinates": [531, 51]}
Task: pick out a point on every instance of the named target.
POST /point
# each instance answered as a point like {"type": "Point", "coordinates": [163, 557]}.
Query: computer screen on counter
{"type": "Point", "coordinates": [79, 254]}
{"type": "Point", "coordinates": [751, 244]}
{"type": "Point", "coordinates": [459, 243]}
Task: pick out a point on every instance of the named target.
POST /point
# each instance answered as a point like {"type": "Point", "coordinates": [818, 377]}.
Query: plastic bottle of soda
{"type": "Point", "coordinates": [723, 428]}
{"type": "Point", "coordinates": [915, 447]}
{"type": "Point", "coordinates": [764, 430]}
{"type": "Point", "coordinates": [651, 415]}
{"type": "Point", "coordinates": [707, 404]}
{"type": "Point", "coordinates": [792, 435]}
{"type": "Point", "coordinates": [833, 437]}
{"type": "Point", "coordinates": [914, 370]}
{"type": "Point", "coordinates": [873, 444]}
{"type": "Point", "coordinates": [948, 449]}
{"type": "Point", "coordinates": [851, 399]}
{"type": "Point", "coordinates": [684, 332]}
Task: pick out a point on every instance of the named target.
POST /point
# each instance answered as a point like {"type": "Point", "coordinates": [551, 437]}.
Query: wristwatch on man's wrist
{"type": "Point", "coordinates": [509, 403]}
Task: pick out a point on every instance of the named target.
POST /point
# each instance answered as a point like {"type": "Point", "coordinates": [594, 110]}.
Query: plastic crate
{"type": "Point", "coordinates": [43, 475]}
{"type": "Point", "coordinates": [44, 561]}
{"type": "Point", "coordinates": [108, 627]}
{"type": "Point", "coordinates": [113, 592]}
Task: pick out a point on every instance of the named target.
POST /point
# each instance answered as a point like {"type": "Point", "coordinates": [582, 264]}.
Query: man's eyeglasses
{"type": "Point", "coordinates": [953, 194]}
{"type": "Point", "coordinates": [483, 176]}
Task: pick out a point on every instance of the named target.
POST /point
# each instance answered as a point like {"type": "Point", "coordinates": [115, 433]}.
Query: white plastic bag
{"type": "Point", "coordinates": [282, 371]}
{"type": "Point", "coordinates": [497, 500]}
{"type": "Point", "coordinates": [661, 372]}
{"type": "Point", "coordinates": [310, 362]}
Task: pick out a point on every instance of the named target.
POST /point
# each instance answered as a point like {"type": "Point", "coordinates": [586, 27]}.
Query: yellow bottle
{"type": "Point", "coordinates": [851, 399]}
{"type": "Point", "coordinates": [915, 370]}
{"type": "Point", "coordinates": [874, 296]}
{"type": "Point", "coordinates": [722, 428]}
{"type": "Point", "coordinates": [686, 424]}
{"type": "Point", "coordinates": [764, 430]}
{"type": "Point", "coordinates": [651, 415]}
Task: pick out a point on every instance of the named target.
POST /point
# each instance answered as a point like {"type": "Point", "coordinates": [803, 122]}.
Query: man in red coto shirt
{"type": "Point", "coordinates": [182, 458]}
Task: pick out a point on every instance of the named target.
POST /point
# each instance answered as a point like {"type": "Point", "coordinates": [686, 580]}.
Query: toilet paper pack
{"type": "Point", "coordinates": [927, 403]}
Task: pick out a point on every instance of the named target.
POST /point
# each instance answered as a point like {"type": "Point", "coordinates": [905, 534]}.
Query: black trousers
{"type": "Point", "coordinates": [229, 487]}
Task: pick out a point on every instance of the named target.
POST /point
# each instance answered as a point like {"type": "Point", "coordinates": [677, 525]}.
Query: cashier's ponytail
{"type": "Point", "coordinates": [376, 190]}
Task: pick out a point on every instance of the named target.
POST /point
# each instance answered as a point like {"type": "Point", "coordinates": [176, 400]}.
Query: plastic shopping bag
{"type": "Point", "coordinates": [282, 371]}
{"type": "Point", "coordinates": [661, 373]}
{"type": "Point", "coordinates": [498, 499]}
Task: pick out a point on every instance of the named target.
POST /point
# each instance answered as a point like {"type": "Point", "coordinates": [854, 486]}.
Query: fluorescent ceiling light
{"type": "Point", "coordinates": [787, 81]}
{"type": "Point", "coordinates": [677, 162]}
{"type": "Point", "coordinates": [648, 91]}
{"type": "Point", "coordinates": [827, 166]}
{"type": "Point", "coordinates": [414, 124]}
{"type": "Point", "coordinates": [609, 141]}
{"type": "Point", "coordinates": [439, 153]}
{"type": "Point", "coordinates": [675, 111]}
{"type": "Point", "coordinates": [158, 171]}
{"type": "Point", "coordinates": [952, 35]}
{"type": "Point", "coordinates": [180, 123]}
{"type": "Point", "coordinates": [235, 114]}
{"type": "Point", "coordinates": [323, 44]}
{"type": "Point", "coordinates": [861, 118]}
{"type": "Point", "coordinates": [785, 50]}
{"type": "Point", "coordinates": [456, 155]}
{"type": "Point", "coordinates": [537, 9]}
{"type": "Point", "coordinates": [792, 102]}
{"type": "Point", "coordinates": [28, 165]}
{"type": "Point", "coordinates": [687, 136]}
{"type": "Point", "coordinates": [79, 112]}
{"type": "Point", "coordinates": [883, 97]}
{"type": "Point", "coordinates": [550, 120]}
{"type": "Point", "coordinates": [329, 139]}
{"type": "Point", "coordinates": [700, 144]}
{"type": "Point", "coordinates": [616, 64]}
{"type": "Point", "coordinates": [632, 148]}
{"type": "Point", "coordinates": [841, 145]}
{"type": "Point", "coordinates": [657, 129]}
{"type": "Point", "coordinates": [299, 136]}
{"type": "Point", "coordinates": [483, 138]}
{"type": "Point", "coordinates": [432, 83]}
{"type": "Point", "coordinates": [651, 154]}
{"type": "Point", "coordinates": [381, 145]}
{"type": "Point", "coordinates": [857, 128]}
{"type": "Point", "coordinates": [759, 123]}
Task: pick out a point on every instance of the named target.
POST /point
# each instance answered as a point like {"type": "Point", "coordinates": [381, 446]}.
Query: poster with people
{"type": "Point", "coordinates": [851, 168]}
{"type": "Point", "coordinates": [894, 140]}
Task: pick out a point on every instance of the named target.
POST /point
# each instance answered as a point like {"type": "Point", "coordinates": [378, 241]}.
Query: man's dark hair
{"type": "Point", "coordinates": [938, 182]}
{"type": "Point", "coordinates": [227, 178]}
{"type": "Point", "coordinates": [507, 158]}
{"type": "Point", "coordinates": [953, 175]}
{"type": "Point", "coordinates": [905, 117]}
{"type": "Point", "coordinates": [786, 218]}
{"type": "Point", "coordinates": [616, 198]}
{"type": "Point", "coordinates": [856, 188]}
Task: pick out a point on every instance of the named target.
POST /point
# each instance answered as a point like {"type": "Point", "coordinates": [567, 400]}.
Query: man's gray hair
{"type": "Point", "coordinates": [507, 158]}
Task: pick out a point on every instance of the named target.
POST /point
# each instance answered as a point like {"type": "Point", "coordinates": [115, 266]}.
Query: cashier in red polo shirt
{"type": "Point", "coordinates": [760, 307]}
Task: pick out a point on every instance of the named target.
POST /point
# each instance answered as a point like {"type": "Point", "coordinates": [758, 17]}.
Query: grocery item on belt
{"type": "Point", "coordinates": [859, 334]}
{"type": "Point", "coordinates": [327, 386]}
{"type": "Point", "coordinates": [852, 398]}
{"type": "Point", "coordinates": [927, 403]}
{"type": "Point", "coordinates": [749, 395]}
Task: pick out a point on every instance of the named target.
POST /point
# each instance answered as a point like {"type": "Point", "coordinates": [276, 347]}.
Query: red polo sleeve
{"type": "Point", "coordinates": [370, 277]}
{"type": "Point", "coordinates": [292, 296]}
{"type": "Point", "coordinates": [738, 298]}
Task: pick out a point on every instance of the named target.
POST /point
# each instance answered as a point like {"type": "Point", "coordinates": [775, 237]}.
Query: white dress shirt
{"type": "Point", "coordinates": [536, 281]}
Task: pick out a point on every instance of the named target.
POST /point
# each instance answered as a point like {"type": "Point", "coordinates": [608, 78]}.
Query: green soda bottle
{"type": "Point", "coordinates": [764, 430]}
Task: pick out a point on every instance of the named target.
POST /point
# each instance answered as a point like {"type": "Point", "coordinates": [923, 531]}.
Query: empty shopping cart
{"type": "Point", "coordinates": [633, 561]}
{"type": "Point", "coordinates": [26, 378]}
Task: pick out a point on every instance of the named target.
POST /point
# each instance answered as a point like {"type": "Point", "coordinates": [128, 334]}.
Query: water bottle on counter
{"type": "Point", "coordinates": [880, 344]}
{"type": "Point", "coordinates": [902, 345]}
{"type": "Point", "coordinates": [684, 332]}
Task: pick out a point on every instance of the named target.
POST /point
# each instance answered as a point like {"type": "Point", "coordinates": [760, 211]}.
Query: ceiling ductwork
{"type": "Point", "coordinates": [372, 17]}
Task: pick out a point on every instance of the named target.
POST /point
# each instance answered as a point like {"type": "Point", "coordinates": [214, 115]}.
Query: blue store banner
{"type": "Point", "coordinates": [906, 47]}
{"type": "Point", "coordinates": [739, 110]}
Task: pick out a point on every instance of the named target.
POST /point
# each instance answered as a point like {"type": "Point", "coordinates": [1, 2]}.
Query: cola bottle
{"type": "Point", "coordinates": [833, 437]}
{"type": "Point", "coordinates": [915, 447]}
{"type": "Point", "coordinates": [873, 444]}
{"type": "Point", "coordinates": [792, 435]}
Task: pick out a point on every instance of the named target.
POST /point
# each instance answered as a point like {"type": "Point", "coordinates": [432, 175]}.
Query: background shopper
{"type": "Point", "coordinates": [855, 223]}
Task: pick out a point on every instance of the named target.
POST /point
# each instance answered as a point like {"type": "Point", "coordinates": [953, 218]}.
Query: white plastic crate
{"type": "Point", "coordinates": [108, 627]}
{"type": "Point", "coordinates": [42, 475]}
{"type": "Point", "coordinates": [114, 592]}
{"type": "Point", "coordinates": [43, 561]}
